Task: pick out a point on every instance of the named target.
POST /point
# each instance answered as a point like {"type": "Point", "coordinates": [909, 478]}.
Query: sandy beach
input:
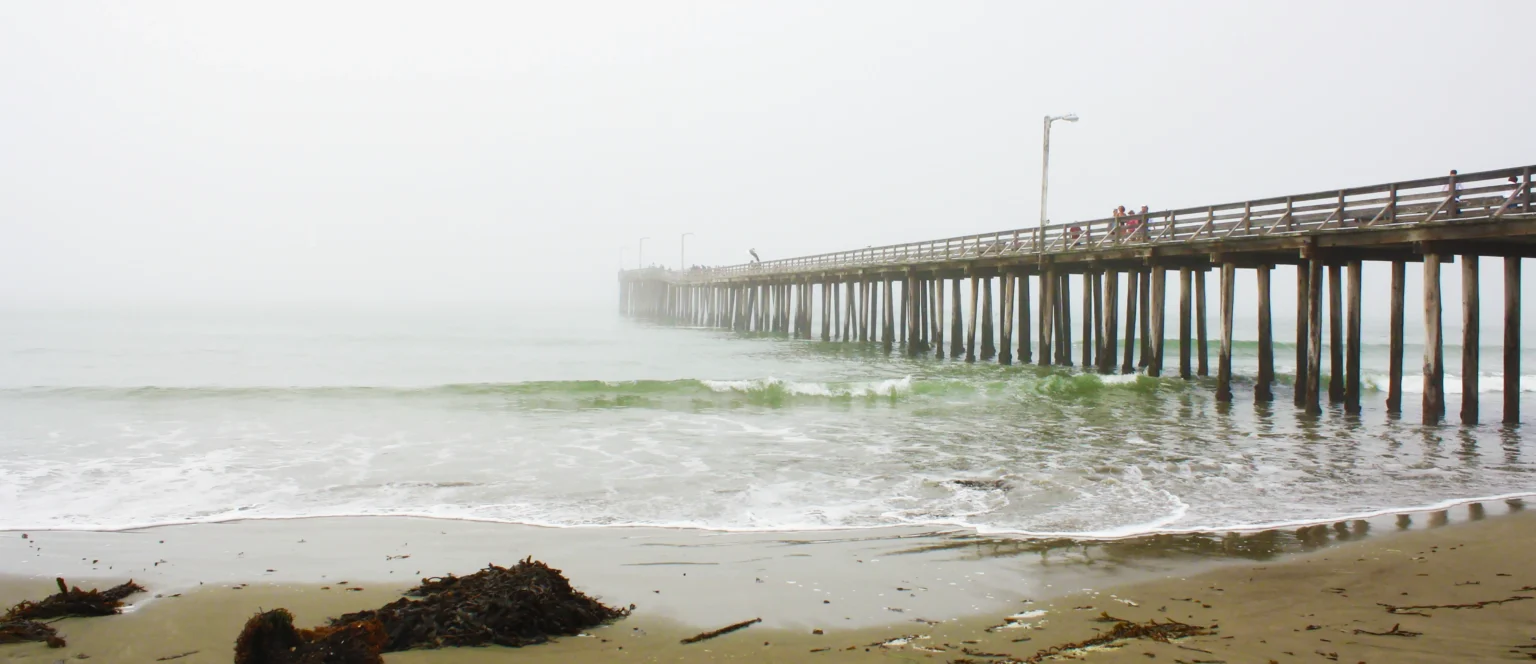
{"type": "Point", "coordinates": [902, 595]}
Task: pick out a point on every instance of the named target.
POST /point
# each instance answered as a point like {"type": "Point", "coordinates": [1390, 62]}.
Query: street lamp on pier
{"type": "Point", "coordinates": [1045, 165]}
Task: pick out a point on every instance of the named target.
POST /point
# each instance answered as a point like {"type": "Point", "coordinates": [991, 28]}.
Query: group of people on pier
{"type": "Point", "coordinates": [1129, 226]}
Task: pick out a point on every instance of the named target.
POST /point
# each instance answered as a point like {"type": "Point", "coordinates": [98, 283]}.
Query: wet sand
{"type": "Point", "coordinates": [925, 595]}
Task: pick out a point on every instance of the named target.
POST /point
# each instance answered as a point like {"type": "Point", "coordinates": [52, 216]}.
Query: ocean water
{"type": "Point", "coordinates": [575, 417]}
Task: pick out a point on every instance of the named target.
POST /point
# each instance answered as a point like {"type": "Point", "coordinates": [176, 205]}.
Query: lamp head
{"type": "Point", "coordinates": [1070, 117]}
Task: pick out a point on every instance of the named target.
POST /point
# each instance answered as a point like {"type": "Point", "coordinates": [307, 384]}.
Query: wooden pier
{"type": "Point", "coordinates": [1328, 236]}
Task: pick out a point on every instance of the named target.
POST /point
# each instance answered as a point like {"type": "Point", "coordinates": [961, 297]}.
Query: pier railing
{"type": "Point", "coordinates": [1439, 200]}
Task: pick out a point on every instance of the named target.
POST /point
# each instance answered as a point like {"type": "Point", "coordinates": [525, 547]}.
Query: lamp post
{"type": "Point", "coordinates": [1045, 165]}
{"type": "Point", "coordinates": [682, 252]}
{"type": "Point", "coordinates": [640, 260]}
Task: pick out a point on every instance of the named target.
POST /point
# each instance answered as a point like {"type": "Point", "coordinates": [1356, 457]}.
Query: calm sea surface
{"type": "Point", "coordinates": [572, 416]}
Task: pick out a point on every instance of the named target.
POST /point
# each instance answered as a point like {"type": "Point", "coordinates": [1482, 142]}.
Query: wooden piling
{"type": "Point", "coordinates": [1144, 291]}
{"type": "Point", "coordinates": [1131, 277]}
{"type": "Point", "coordinates": [1064, 310]}
{"type": "Point", "coordinates": [1111, 322]}
{"type": "Point", "coordinates": [1263, 389]}
{"type": "Point", "coordinates": [889, 317]}
{"type": "Point", "coordinates": [1156, 342]}
{"type": "Point", "coordinates": [938, 318]}
{"type": "Point", "coordinates": [1314, 336]}
{"type": "Point", "coordinates": [828, 309]}
{"type": "Point", "coordinates": [1047, 315]}
{"type": "Point", "coordinates": [956, 323]}
{"type": "Point", "coordinates": [1395, 340]}
{"type": "Point", "coordinates": [1098, 318]}
{"type": "Point", "coordinates": [1088, 336]}
{"type": "Point", "coordinates": [970, 330]}
{"type": "Point", "coordinates": [1471, 338]}
{"type": "Point", "coordinates": [1005, 319]}
{"type": "Point", "coordinates": [1335, 333]}
{"type": "Point", "coordinates": [909, 296]}
{"type": "Point", "coordinates": [1202, 367]}
{"type": "Point", "coordinates": [988, 348]}
{"type": "Point", "coordinates": [1224, 360]}
{"type": "Point", "coordinates": [1185, 283]}
{"type": "Point", "coordinates": [1512, 337]}
{"type": "Point", "coordinates": [1434, 351]}
{"type": "Point", "coordinates": [1025, 352]}
{"type": "Point", "coordinates": [1303, 333]}
{"type": "Point", "coordinates": [1352, 379]}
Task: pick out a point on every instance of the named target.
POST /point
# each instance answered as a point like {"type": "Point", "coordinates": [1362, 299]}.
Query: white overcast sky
{"type": "Point", "coordinates": [497, 151]}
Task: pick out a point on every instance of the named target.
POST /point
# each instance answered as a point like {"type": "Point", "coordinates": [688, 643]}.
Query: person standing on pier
{"type": "Point", "coordinates": [755, 259]}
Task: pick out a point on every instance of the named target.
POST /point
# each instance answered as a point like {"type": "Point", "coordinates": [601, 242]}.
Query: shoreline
{"type": "Point", "coordinates": [948, 586]}
{"type": "Point", "coordinates": [936, 526]}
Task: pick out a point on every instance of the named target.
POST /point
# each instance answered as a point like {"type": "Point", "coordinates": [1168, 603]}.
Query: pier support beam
{"type": "Point", "coordinates": [1224, 362]}
{"type": "Point", "coordinates": [1088, 310]}
{"type": "Point", "coordinates": [938, 318]}
{"type": "Point", "coordinates": [1129, 365]}
{"type": "Point", "coordinates": [956, 323]}
{"type": "Point", "coordinates": [1145, 292]}
{"type": "Point", "coordinates": [1314, 336]}
{"type": "Point", "coordinates": [1471, 338]}
{"type": "Point", "coordinates": [970, 330]}
{"type": "Point", "coordinates": [1111, 322]}
{"type": "Point", "coordinates": [1159, 310]}
{"type": "Point", "coordinates": [1352, 352]}
{"type": "Point", "coordinates": [1098, 317]}
{"type": "Point", "coordinates": [988, 347]}
{"type": "Point", "coordinates": [1263, 388]}
{"type": "Point", "coordinates": [1184, 323]}
{"type": "Point", "coordinates": [1005, 318]}
{"type": "Point", "coordinates": [1064, 310]}
{"type": "Point", "coordinates": [1202, 368]}
{"type": "Point", "coordinates": [1512, 340]}
{"type": "Point", "coordinates": [1025, 352]}
{"type": "Point", "coordinates": [1303, 334]}
{"type": "Point", "coordinates": [1047, 315]}
{"type": "Point", "coordinates": [1434, 351]}
{"type": "Point", "coordinates": [1335, 333]}
{"type": "Point", "coordinates": [1395, 341]}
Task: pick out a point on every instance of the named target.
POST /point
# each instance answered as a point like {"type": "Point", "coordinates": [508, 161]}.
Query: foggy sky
{"type": "Point", "coordinates": [500, 152]}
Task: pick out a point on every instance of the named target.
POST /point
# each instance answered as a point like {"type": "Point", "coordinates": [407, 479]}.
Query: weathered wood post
{"type": "Point", "coordinates": [1314, 336]}
{"type": "Point", "coordinates": [988, 347]}
{"type": "Point", "coordinates": [1159, 310]}
{"type": "Point", "coordinates": [1434, 352]}
{"type": "Point", "coordinates": [889, 319]}
{"type": "Point", "coordinates": [1263, 389]}
{"type": "Point", "coordinates": [1098, 318]}
{"type": "Point", "coordinates": [1352, 359]}
{"type": "Point", "coordinates": [956, 322]}
{"type": "Point", "coordinates": [938, 317]}
{"type": "Point", "coordinates": [1005, 318]}
{"type": "Point", "coordinates": [1144, 291]}
{"type": "Point", "coordinates": [1025, 353]}
{"type": "Point", "coordinates": [1303, 334]}
{"type": "Point", "coordinates": [1395, 341]}
{"type": "Point", "coordinates": [1088, 310]}
{"type": "Point", "coordinates": [914, 313]}
{"type": "Point", "coordinates": [1471, 338]}
{"type": "Point", "coordinates": [1335, 333]}
{"type": "Point", "coordinates": [1111, 322]}
{"type": "Point", "coordinates": [1047, 314]}
{"type": "Point", "coordinates": [1185, 282]}
{"type": "Point", "coordinates": [1064, 310]}
{"type": "Point", "coordinates": [1224, 361]}
{"type": "Point", "coordinates": [970, 330]}
{"type": "Point", "coordinates": [1131, 277]}
{"type": "Point", "coordinates": [1512, 336]}
{"type": "Point", "coordinates": [828, 309]}
{"type": "Point", "coordinates": [1202, 368]}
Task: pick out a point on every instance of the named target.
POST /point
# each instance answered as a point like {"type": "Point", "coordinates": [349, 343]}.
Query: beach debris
{"type": "Point", "coordinates": [1391, 632]}
{"type": "Point", "coordinates": [269, 637]}
{"type": "Point", "coordinates": [522, 605]}
{"type": "Point", "coordinates": [722, 631]}
{"type": "Point", "coordinates": [73, 602]}
{"type": "Point", "coordinates": [1124, 630]}
{"type": "Point", "coordinates": [29, 631]}
{"type": "Point", "coordinates": [176, 656]}
{"type": "Point", "coordinates": [1418, 610]}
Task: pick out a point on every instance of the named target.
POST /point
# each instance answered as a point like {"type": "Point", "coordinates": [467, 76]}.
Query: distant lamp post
{"type": "Point", "coordinates": [682, 252]}
{"type": "Point", "coordinates": [641, 258]}
{"type": "Point", "coordinates": [1045, 164]}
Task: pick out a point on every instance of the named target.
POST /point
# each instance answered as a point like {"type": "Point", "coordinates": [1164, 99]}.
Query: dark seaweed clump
{"type": "Point", "coordinates": [518, 606]}
{"type": "Point", "coordinates": [21, 624]}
